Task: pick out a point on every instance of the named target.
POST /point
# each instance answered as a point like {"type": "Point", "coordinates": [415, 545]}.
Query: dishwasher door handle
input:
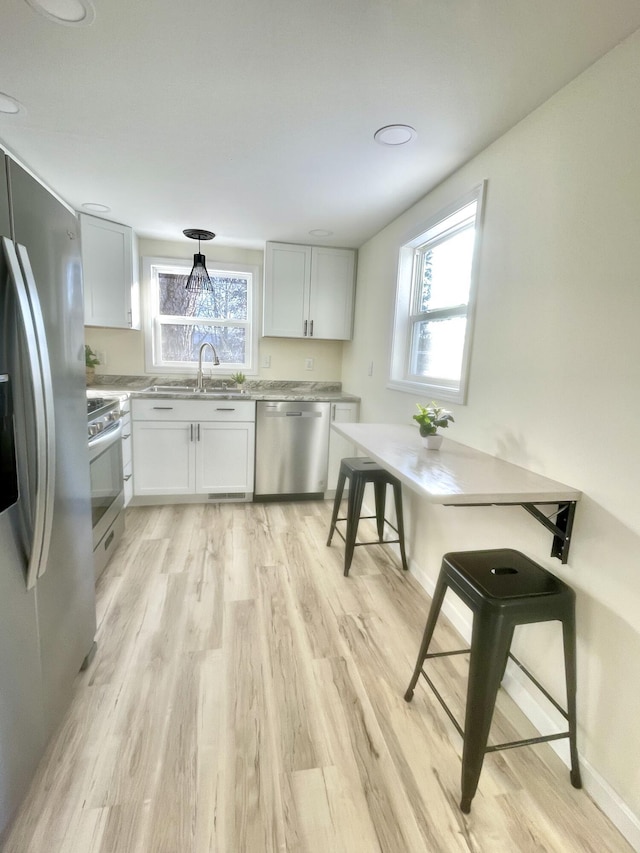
{"type": "Point", "coordinates": [268, 414]}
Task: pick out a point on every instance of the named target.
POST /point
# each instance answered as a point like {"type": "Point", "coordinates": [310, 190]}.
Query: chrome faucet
{"type": "Point", "coordinates": [216, 361]}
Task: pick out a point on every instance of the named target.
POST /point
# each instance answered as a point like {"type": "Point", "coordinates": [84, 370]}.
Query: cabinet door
{"type": "Point", "coordinates": [127, 455]}
{"type": "Point", "coordinates": [339, 447]}
{"type": "Point", "coordinates": [163, 458]}
{"type": "Point", "coordinates": [331, 295]}
{"type": "Point", "coordinates": [224, 457]}
{"type": "Point", "coordinates": [286, 290]}
{"type": "Point", "coordinates": [107, 266]}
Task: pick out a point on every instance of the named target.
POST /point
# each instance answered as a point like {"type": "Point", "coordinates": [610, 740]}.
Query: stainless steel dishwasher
{"type": "Point", "coordinates": [292, 448]}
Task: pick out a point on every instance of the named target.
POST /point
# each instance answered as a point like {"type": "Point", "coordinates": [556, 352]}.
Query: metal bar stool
{"type": "Point", "coordinates": [503, 589]}
{"type": "Point", "coordinates": [359, 471]}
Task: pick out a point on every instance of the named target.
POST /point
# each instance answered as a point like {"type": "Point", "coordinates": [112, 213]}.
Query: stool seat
{"type": "Point", "coordinates": [504, 589]}
{"type": "Point", "coordinates": [360, 470]}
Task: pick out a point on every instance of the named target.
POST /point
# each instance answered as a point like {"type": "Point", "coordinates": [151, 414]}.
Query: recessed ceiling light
{"type": "Point", "coordinates": [395, 134]}
{"type": "Point", "coordinates": [9, 105]}
{"type": "Point", "coordinates": [320, 232]}
{"type": "Point", "coordinates": [94, 207]}
{"type": "Point", "coordinates": [73, 13]}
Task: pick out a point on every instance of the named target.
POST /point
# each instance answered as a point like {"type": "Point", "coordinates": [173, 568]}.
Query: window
{"type": "Point", "coordinates": [434, 303]}
{"type": "Point", "coordinates": [180, 321]}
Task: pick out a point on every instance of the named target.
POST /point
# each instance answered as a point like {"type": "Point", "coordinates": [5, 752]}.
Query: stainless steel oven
{"type": "Point", "coordinates": [105, 467]}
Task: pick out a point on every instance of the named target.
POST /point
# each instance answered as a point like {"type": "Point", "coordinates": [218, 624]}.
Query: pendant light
{"type": "Point", "coordinates": [199, 277]}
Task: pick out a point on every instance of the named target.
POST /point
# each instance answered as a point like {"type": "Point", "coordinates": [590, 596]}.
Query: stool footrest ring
{"type": "Point", "coordinates": [374, 541]}
{"type": "Point", "coordinates": [511, 744]}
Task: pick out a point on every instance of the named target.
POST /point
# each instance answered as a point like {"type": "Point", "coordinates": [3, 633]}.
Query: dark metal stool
{"type": "Point", "coordinates": [503, 589]}
{"type": "Point", "coordinates": [359, 471]}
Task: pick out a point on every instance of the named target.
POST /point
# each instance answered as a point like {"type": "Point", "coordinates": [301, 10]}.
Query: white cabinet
{"type": "Point", "coordinates": [193, 448]}
{"type": "Point", "coordinates": [224, 457]}
{"type": "Point", "coordinates": [308, 291]}
{"type": "Point", "coordinates": [109, 268]}
{"type": "Point", "coordinates": [339, 447]}
{"type": "Point", "coordinates": [127, 456]}
{"type": "Point", "coordinates": [164, 453]}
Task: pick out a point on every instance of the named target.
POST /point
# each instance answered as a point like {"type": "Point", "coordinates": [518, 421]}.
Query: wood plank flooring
{"type": "Point", "coordinates": [246, 697]}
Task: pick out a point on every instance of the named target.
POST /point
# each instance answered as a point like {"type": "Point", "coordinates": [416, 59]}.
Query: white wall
{"type": "Point", "coordinates": [555, 379]}
{"type": "Point", "coordinates": [124, 348]}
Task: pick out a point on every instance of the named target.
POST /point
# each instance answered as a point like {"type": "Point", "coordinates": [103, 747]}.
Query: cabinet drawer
{"type": "Point", "coordinates": [128, 483]}
{"type": "Point", "coordinates": [126, 441]}
{"type": "Point", "coordinates": [193, 410]}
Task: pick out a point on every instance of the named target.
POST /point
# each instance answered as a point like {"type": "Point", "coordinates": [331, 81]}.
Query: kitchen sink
{"type": "Point", "coordinates": [236, 395]}
{"type": "Point", "coordinates": [189, 390]}
{"type": "Point", "coordinates": [169, 389]}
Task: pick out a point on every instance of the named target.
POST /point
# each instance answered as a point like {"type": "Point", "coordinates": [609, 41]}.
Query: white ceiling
{"type": "Point", "coordinates": [255, 118]}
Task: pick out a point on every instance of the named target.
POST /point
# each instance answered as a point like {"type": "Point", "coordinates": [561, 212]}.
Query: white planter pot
{"type": "Point", "coordinates": [432, 442]}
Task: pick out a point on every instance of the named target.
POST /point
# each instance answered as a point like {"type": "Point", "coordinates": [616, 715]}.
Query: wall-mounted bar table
{"type": "Point", "coordinates": [457, 475]}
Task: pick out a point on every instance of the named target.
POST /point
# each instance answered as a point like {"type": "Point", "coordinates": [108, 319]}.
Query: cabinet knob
{"type": "Point", "coordinates": [311, 332]}
{"type": "Point", "coordinates": [305, 329]}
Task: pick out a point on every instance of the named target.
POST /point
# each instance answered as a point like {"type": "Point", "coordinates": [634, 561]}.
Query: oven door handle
{"type": "Point", "coordinates": [104, 439]}
{"type": "Point", "coordinates": [32, 323]}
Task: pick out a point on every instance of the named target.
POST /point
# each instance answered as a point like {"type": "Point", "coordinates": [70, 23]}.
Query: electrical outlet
{"type": "Point", "coordinates": [308, 364]}
{"type": "Point", "coordinates": [101, 355]}
{"type": "Point", "coordinates": [265, 361]}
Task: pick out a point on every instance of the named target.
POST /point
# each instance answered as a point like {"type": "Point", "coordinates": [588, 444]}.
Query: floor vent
{"type": "Point", "coordinates": [228, 496]}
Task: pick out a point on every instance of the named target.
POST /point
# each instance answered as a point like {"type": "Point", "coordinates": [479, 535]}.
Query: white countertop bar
{"type": "Point", "coordinates": [455, 474]}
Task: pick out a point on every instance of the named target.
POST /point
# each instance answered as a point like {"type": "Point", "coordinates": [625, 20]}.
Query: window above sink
{"type": "Point", "coordinates": [178, 321]}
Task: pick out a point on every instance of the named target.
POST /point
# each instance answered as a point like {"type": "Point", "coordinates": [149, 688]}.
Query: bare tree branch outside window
{"type": "Point", "coordinates": [219, 316]}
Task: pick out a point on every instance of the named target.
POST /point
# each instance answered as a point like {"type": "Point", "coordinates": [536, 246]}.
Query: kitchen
{"type": "Point", "coordinates": [550, 366]}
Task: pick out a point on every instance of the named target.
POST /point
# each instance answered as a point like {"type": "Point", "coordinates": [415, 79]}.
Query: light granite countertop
{"type": "Point", "coordinates": [137, 386]}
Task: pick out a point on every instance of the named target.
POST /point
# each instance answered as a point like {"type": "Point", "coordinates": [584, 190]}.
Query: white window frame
{"type": "Point", "coordinates": [152, 321]}
{"type": "Point", "coordinates": [432, 231]}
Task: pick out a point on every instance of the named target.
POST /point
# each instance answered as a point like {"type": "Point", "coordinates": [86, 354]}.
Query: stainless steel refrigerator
{"type": "Point", "coordinates": [47, 591]}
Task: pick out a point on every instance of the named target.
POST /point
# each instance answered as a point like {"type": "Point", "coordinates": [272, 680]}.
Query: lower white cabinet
{"type": "Point", "coordinates": [224, 457]}
{"type": "Point", "coordinates": [339, 447]}
{"type": "Point", "coordinates": [127, 459]}
{"type": "Point", "coordinates": [164, 455]}
{"type": "Point", "coordinates": [193, 448]}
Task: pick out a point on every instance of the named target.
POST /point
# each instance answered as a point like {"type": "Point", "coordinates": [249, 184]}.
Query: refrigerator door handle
{"type": "Point", "coordinates": [45, 497]}
{"type": "Point", "coordinates": [41, 383]}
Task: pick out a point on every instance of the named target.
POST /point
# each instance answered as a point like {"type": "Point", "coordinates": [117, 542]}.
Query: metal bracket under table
{"type": "Point", "coordinates": [561, 528]}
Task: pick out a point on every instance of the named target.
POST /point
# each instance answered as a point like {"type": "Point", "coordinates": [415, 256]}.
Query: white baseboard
{"type": "Point", "coordinates": [533, 705]}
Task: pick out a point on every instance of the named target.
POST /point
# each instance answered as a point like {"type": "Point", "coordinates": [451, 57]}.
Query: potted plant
{"type": "Point", "coordinates": [239, 378]}
{"type": "Point", "coordinates": [429, 418]}
{"type": "Point", "coordinates": [91, 360]}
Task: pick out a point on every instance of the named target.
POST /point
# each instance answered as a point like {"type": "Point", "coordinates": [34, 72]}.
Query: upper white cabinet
{"type": "Point", "coordinates": [308, 291]}
{"type": "Point", "coordinates": [109, 265]}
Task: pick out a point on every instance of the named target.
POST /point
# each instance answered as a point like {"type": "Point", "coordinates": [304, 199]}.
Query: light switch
{"type": "Point", "coordinates": [308, 364]}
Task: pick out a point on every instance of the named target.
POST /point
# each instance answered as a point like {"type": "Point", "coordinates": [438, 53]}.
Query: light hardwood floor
{"type": "Point", "coordinates": [246, 697]}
